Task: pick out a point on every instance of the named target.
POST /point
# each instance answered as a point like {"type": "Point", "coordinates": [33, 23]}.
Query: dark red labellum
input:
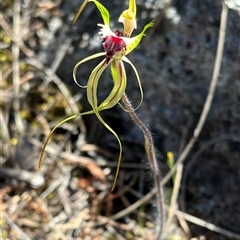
{"type": "Point", "coordinates": [112, 45]}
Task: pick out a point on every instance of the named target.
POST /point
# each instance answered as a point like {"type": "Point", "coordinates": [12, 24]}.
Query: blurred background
{"type": "Point", "coordinates": [69, 197]}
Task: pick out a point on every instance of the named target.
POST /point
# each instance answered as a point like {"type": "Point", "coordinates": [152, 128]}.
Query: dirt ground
{"type": "Point", "coordinates": [70, 197]}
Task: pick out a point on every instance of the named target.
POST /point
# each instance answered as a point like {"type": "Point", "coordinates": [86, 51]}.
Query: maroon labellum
{"type": "Point", "coordinates": [112, 45]}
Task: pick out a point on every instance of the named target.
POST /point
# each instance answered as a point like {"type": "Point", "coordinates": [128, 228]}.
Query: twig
{"type": "Point", "coordinates": [124, 188]}
{"type": "Point", "coordinates": [94, 148]}
{"type": "Point", "coordinates": [51, 188]}
{"type": "Point", "coordinates": [173, 204]}
{"type": "Point", "coordinates": [15, 227]}
{"type": "Point", "coordinates": [51, 224]}
{"type": "Point", "coordinates": [85, 162]}
{"type": "Point", "coordinates": [61, 53]}
{"type": "Point", "coordinates": [149, 147]}
{"type": "Point", "coordinates": [34, 178]}
{"type": "Point", "coordinates": [105, 163]}
{"type": "Point", "coordinates": [113, 232]}
{"type": "Point", "coordinates": [207, 225]}
{"type": "Point", "coordinates": [13, 35]}
{"type": "Point", "coordinates": [62, 190]}
{"type": "Point", "coordinates": [5, 134]}
{"type": "Point", "coordinates": [16, 67]}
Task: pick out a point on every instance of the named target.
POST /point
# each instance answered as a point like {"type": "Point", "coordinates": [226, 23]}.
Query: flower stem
{"type": "Point", "coordinates": [149, 147]}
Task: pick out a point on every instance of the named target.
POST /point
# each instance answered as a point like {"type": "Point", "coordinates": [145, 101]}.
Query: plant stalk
{"type": "Point", "coordinates": [150, 151]}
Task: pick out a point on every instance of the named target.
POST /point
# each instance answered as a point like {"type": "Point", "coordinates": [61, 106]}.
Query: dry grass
{"type": "Point", "coordinates": [70, 197]}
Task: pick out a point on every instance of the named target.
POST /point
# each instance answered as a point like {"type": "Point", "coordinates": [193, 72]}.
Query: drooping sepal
{"type": "Point", "coordinates": [120, 82]}
{"type": "Point", "coordinates": [81, 62]}
{"type": "Point", "coordinates": [92, 85]}
{"type": "Point", "coordinates": [50, 135]}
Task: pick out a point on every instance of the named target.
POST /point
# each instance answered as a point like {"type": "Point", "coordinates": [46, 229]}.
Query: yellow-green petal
{"type": "Point", "coordinates": [132, 43]}
{"type": "Point", "coordinates": [103, 11]}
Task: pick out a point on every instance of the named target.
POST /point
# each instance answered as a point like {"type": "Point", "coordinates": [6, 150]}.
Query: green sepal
{"type": "Point", "coordinates": [132, 43]}
{"type": "Point", "coordinates": [92, 84]}
{"type": "Point", "coordinates": [120, 81]}
{"type": "Point", "coordinates": [103, 11]}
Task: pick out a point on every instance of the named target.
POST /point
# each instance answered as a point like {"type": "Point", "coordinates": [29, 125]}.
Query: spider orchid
{"type": "Point", "coordinates": [116, 46]}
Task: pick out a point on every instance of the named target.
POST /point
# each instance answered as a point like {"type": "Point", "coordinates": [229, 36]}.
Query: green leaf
{"type": "Point", "coordinates": [103, 11]}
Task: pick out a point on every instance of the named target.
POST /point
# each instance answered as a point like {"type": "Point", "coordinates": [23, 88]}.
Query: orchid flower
{"type": "Point", "coordinates": [116, 46]}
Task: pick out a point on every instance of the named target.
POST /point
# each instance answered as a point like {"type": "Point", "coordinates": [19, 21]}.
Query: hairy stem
{"type": "Point", "coordinates": [149, 147]}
